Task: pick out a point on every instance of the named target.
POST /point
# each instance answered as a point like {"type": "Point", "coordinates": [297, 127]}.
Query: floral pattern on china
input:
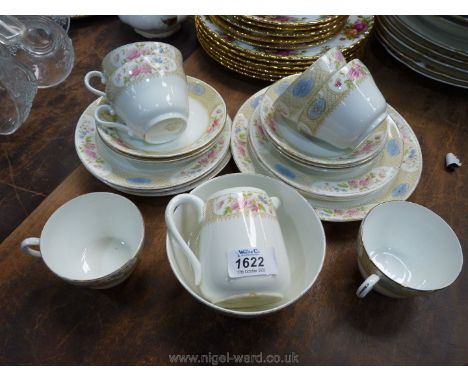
{"type": "Point", "coordinates": [126, 54]}
{"type": "Point", "coordinates": [345, 81]}
{"type": "Point", "coordinates": [403, 186]}
{"type": "Point", "coordinates": [141, 68]}
{"type": "Point", "coordinates": [247, 202]}
{"type": "Point", "coordinates": [355, 30]}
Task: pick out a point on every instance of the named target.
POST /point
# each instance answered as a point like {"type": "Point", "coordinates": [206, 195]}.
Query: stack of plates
{"type": "Point", "coordinates": [134, 167]}
{"type": "Point", "coordinates": [434, 46]}
{"type": "Point", "coordinates": [271, 47]}
{"type": "Point", "coordinates": [341, 185]}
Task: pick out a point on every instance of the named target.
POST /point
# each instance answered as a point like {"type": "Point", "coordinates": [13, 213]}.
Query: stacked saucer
{"type": "Point", "coordinates": [271, 47]}
{"type": "Point", "coordinates": [434, 46]}
{"type": "Point", "coordinates": [136, 167]}
{"type": "Point", "coordinates": [341, 183]}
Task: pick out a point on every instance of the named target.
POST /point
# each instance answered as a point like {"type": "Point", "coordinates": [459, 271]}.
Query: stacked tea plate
{"type": "Point", "coordinates": [168, 152]}
{"type": "Point", "coordinates": [329, 133]}
{"type": "Point", "coordinates": [271, 47]}
{"type": "Point", "coordinates": [434, 46]}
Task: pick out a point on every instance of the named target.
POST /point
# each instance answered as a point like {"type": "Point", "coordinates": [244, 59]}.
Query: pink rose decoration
{"type": "Point", "coordinates": [360, 25]}
{"type": "Point", "coordinates": [140, 69]}
{"type": "Point", "coordinates": [134, 53]}
{"type": "Point", "coordinates": [353, 183]}
{"type": "Point", "coordinates": [212, 154]}
{"type": "Point", "coordinates": [355, 72]}
{"type": "Point", "coordinates": [364, 182]}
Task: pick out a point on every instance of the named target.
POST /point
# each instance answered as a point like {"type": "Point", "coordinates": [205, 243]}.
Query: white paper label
{"type": "Point", "coordinates": [247, 262]}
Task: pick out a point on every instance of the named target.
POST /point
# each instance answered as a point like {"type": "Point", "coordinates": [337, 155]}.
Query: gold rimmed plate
{"type": "Point", "coordinates": [354, 33]}
{"type": "Point", "coordinates": [276, 42]}
{"type": "Point", "coordinates": [291, 21]}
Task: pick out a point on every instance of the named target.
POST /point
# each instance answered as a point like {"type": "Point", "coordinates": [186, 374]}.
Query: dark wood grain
{"type": "Point", "coordinates": [141, 322]}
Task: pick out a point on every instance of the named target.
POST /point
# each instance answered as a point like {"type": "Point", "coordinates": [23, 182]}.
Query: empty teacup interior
{"type": "Point", "coordinates": [412, 245]}
{"type": "Point", "coordinates": [302, 231]}
{"type": "Point", "coordinates": [92, 236]}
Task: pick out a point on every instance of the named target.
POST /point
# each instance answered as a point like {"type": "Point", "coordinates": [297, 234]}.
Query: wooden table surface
{"type": "Point", "coordinates": [44, 321]}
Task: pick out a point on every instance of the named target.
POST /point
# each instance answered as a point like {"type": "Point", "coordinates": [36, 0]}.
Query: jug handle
{"type": "Point", "coordinates": [199, 206]}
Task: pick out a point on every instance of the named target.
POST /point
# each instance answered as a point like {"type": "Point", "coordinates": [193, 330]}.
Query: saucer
{"type": "Point", "coordinates": [177, 190]}
{"type": "Point", "coordinates": [338, 211]}
{"type": "Point", "coordinates": [308, 151]}
{"type": "Point", "coordinates": [207, 116]}
{"type": "Point", "coordinates": [302, 231]}
{"type": "Point", "coordinates": [331, 185]}
{"type": "Point", "coordinates": [133, 175]}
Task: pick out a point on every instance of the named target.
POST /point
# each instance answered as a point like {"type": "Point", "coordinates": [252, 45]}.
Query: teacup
{"type": "Point", "coordinates": [243, 260]}
{"type": "Point", "coordinates": [126, 53]}
{"type": "Point", "coordinates": [92, 240]}
{"type": "Point", "coordinates": [346, 109]}
{"type": "Point", "coordinates": [302, 90]}
{"type": "Point", "coordinates": [154, 26]}
{"type": "Point", "coordinates": [150, 95]}
{"type": "Point", "coordinates": [405, 249]}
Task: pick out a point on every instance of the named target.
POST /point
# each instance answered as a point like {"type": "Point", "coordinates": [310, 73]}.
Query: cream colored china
{"type": "Point", "coordinates": [207, 116]}
{"type": "Point", "coordinates": [92, 240]}
{"type": "Point", "coordinates": [346, 109]}
{"type": "Point", "coordinates": [303, 89]}
{"type": "Point", "coordinates": [332, 184]}
{"type": "Point", "coordinates": [134, 174]}
{"type": "Point", "coordinates": [303, 235]}
{"type": "Point", "coordinates": [179, 189]}
{"type": "Point", "coordinates": [240, 265]}
{"type": "Point", "coordinates": [405, 249]}
{"type": "Point", "coordinates": [310, 151]}
{"type": "Point", "coordinates": [338, 211]}
{"type": "Point", "coordinates": [154, 26]}
{"type": "Point", "coordinates": [125, 53]}
{"type": "Point", "coordinates": [354, 33]}
{"type": "Point", "coordinates": [149, 94]}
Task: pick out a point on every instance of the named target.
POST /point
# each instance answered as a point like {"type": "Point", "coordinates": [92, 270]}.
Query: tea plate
{"type": "Point", "coordinates": [258, 29]}
{"type": "Point", "coordinates": [347, 184]}
{"type": "Point", "coordinates": [302, 231]}
{"type": "Point", "coordinates": [338, 211]}
{"type": "Point", "coordinates": [313, 152]}
{"type": "Point", "coordinates": [356, 30]}
{"type": "Point", "coordinates": [142, 176]}
{"type": "Point", "coordinates": [292, 21]}
{"type": "Point", "coordinates": [427, 65]}
{"type": "Point", "coordinates": [207, 116]}
{"type": "Point", "coordinates": [177, 190]}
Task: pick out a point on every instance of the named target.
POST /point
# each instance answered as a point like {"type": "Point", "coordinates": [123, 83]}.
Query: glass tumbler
{"type": "Point", "coordinates": [18, 86]}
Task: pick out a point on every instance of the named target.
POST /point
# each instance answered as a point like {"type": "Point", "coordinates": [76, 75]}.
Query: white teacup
{"type": "Point", "coordinates": [92, 240]}
{"type": "Point", "coordinates": [405, 249]}
{"type": "Point", "coordinates": [346, 109]}
{"type": "Point", "coordinates": [126, 53]}
{"type": "Point", "coordinates": [243, 260]}
{"type": "Point", "coordinates": [150, 95]}
{"type": "Point", "coordinates": [154, 26]}
{"type": "Point", "coordinates": [302, 90]}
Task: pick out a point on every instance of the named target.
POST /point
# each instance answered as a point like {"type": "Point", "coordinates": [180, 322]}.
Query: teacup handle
{"type": "Point", "coordinates": [29, 242]}
{"type": "Point", "coordinates": [87, 80]}
{"type": "Point", "coordinates": [116, 125]}
{"type": "Point", "coordinates": [367, 285]}
{"type": "Point", "coordinates": [199, 206]}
